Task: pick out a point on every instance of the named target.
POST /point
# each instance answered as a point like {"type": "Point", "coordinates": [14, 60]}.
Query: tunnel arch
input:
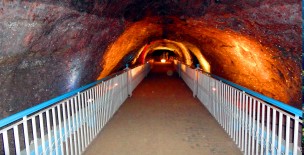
{"type": "Point", "coordinates": [157, 45]}
{"type": "Point", "coordinates": [237, 57]}
{"type": "Point", "coordinates": [70, 46]}
{"type": "Point", "coordinates": [173, 46]}
{"type": "Point", "coordinates": [162, 55]}
{"type": "Point", "coordinates": [183, 49]}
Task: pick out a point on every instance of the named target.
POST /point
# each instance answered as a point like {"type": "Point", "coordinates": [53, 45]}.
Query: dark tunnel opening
{"type": "Point", "coordinates": [158, 55]}
{"type": "Point", "coordinates": [195, 61]}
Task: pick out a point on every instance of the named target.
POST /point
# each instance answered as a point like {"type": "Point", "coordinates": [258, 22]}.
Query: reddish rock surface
{"type": "Point", "coordinates": [48, 47]}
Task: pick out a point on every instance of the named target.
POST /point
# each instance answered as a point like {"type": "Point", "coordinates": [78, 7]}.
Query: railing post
{"type": "Point", "coordinates": [129, 79]}
{"type": "Point", "coordinates": [195, 78]}
{"type": "Point", "coordinates": [147, 68]}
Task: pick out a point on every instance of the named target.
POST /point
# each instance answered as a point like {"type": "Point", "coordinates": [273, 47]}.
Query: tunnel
{"type": "Point", "coordinates": [201, 60]}
{"type": "Point", "coordinates": [51, 47]}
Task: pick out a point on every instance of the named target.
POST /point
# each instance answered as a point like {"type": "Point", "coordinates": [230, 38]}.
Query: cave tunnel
{"type": "Point", "coordinates": [50, 47]}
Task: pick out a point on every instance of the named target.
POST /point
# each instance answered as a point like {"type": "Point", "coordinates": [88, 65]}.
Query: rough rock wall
{"type": "Point", "coordinates": [276, 25]}
{"type": "Point", "coordinates": [49, 47]}
{"type": "Point", "coordinates": [47, 50]}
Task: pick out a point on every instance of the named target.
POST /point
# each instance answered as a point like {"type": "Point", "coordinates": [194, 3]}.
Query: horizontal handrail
{"type": "Point", "coordinates": [12, 118]}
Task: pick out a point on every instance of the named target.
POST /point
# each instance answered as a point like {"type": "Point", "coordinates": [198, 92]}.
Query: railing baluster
{"type": "Point", "coordinates": [74, 125]}
{"type": "Point", "coordinates": [246, 123]}
{"type": "Point", "coordinates": [235, 124]}
{"type": "Point", "coordinates": [280, 133]}
{"type": "Point", "coordinates": [273, 131]}
{"type": "Point", "coordinates": [34, 128]}
{"type": "Point", "coordinates": [263, 126]}
{"type": "Point", "coordinates": [250, 125]}
{"type": "Point", "coordinates": [6, 145]}
{"type": "Point", "coordinates": [91, 113]}
{"type": "Point", "coordinates": [230, 112]}
{"type": "Point", "coordinates": [258, 139]}
{"type": "Point", "coordinates": [239, 103]}
{"type": "Point", "coordinates": [227, 109]}
{"type": "Point", "coordinates": [82, 119]}
{"type": "Point", "coordinates": [108, 101]}
{"type": "Point", "coordinates": [102, 103]}
{"type": "Point", "coordinates": [111, 98]}
{"type": "Point", "coordinates": [267, 130]}
{"type": "Point", "coordinates": [222, 111]}
{"type": "Point", "coordinates": [17, 141]}
{"type": "Point", "coordinates": [287, 134]}
{"type": "Point", "coordinates": [295, 135]}
{"type": "Point", "coordinates": [95, 108]}
{"type": "Point", "coordinates": [49, 131]}
{"type": "Point", "coordinates": [254, 128]}
{"type": "Point", "coordinates": [78, 125]}
{"type": "Point", "coordinates": [224, 106]}
{"type": "Point", "coordinates": [42, 134]}
{"type": "Point", "coordinates": [243, 120]}
{"type": "Point", "coordinates": [103, 110]}
{"type": "Point", "coordinates": [65, 125]}
{"type": "Point", "coordinates": [224, 116]}
{"type": "Point", "coordinates": [98, 103]}
{"type": "Point", "coordinates": [87, 130]}
{"type": "Point", "coordinates": [70, 127]}
{"type": "Point", "coordinates": [60, 128]}
{"type": "Point", "coordinates": [55, 130]}
{"type": "Point", "coordinates": [219, 106]}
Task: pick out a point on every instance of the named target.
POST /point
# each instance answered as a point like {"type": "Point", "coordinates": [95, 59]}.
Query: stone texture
{"type": "Point", "coordinates": [48, 50]}
{"type": "Point", "coordinates": [50, 47]}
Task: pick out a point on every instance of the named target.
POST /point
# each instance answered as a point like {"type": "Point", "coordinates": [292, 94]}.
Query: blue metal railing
{"type": "Point", "coordinates": [272, 101]}
{"type": "Point", "coordinates": [269, 100]}
{"type": "Point", "coordinates": [67, 124]}
{"type": "Point", "coordinates": [29, 111]}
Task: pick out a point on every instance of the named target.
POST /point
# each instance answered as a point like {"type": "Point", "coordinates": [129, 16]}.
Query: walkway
{"type": "Point", "coordinates": [162, 118]}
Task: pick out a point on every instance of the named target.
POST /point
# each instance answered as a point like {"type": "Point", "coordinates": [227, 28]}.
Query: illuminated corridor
{"type": "Point", "coordinates": [66, 66]}
{"type": "Point", "coordinates": [162, 118]}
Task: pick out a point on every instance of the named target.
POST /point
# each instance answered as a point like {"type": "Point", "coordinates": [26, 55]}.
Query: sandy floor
{"type": "Point", "coordinates": [162, 118]}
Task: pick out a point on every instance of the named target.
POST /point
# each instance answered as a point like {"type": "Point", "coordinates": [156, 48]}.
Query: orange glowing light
{"type": "Point", "coordinates": [163, 60]}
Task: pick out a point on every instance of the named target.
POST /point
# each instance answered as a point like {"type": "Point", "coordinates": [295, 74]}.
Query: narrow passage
{"type": "Point", "coordinates": [162, 118]}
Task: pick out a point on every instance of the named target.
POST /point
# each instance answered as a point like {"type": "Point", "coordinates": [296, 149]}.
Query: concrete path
{"type": "Point", "coordinates": [162, 118]}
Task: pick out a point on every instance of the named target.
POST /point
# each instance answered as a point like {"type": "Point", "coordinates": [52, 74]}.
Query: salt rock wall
{"type": "Point", "coordinates": [47, 50]}
{"type": "Point", "coordinates": [50, 47]}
